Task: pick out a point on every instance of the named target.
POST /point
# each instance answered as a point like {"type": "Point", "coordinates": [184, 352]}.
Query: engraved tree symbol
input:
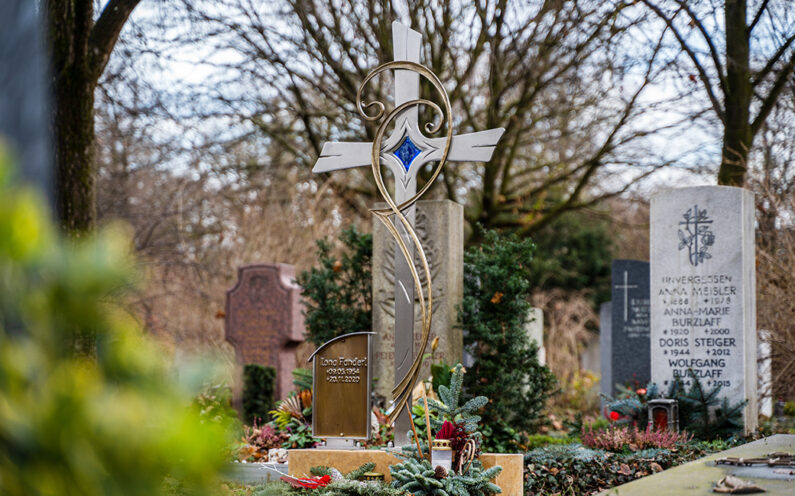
{"type": "Point", "coordinates": [696, 234]}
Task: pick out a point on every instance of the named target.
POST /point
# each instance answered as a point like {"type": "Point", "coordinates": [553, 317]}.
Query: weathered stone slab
{"type": "Point", "coordinates": [264, 322]}
{"type": "Point", "coordinates": [703, 286]}
{"type": "Point", "coordinates": [630, 324]}
{"type": "Point", "coordinates": [697, 478]}
{"type": "Point", "coordinates": [440, 227]}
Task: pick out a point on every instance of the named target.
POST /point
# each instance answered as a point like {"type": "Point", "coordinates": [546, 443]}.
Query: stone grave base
{"type": "Point", "coordinates": [300, 461]}
{"type": "Point", "coordinates": [254, 473]}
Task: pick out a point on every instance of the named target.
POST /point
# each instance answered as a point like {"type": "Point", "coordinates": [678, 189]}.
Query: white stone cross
{"type": "Point", "coordinates": [625, 287]}
{"type": "Point", "coordinates": [405, 152]}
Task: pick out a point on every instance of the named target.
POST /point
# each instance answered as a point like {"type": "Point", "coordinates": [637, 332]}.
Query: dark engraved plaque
{"type": "Point", "coordinates": [341, 387]}
{"type": "Point", "coordinates": [630, 319]}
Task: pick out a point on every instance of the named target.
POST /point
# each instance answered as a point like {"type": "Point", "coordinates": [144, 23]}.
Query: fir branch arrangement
{"type": "Point", "coordinates": [459, 423]}
{"type": "Point", "coordinates": [419, 478]}
{"type": "Point", "coordinates": [450, 408]}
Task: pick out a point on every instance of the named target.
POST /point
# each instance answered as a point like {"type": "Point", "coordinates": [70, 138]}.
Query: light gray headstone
{"type": "Point", "coordinates": [606, 347]}
{"type": "Point", "coordinates": [535, 330]}
{"type": "Point", "coordinates": [703, 307]}
{"type": "Point", "coordinates": [440, 226]}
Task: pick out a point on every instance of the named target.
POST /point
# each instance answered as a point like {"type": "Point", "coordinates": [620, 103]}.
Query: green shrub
{"type": "Point", "coordinates": [107, 422]}
{"type": "Point", "coordinates": [338, 294]}
{"type": "Point", "coordinates": [258, 389]}
{"type": "Point", "coordinates": [494, 312]}
{"type": "Point", "coordinates": [789, 408]}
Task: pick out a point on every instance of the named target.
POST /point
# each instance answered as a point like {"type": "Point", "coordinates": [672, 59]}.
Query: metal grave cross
{"type": "Point", "coordinates": [625, 287]}
{"type": "Point", "coordinates": [405, 152]}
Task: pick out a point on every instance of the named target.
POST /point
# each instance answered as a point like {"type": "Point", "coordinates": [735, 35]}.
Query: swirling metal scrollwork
{"type": "Point", "coordinates": [402, 391]}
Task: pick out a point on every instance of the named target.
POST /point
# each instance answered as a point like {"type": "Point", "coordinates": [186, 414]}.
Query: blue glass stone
{"type": "Point", "coordinates": [407, 152]}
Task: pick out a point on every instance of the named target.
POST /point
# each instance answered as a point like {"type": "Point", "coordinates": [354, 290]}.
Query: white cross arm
{"type": "Point", "coordinates": [471, 147]}
{"type": "Point", "coordinates": [342, 155]}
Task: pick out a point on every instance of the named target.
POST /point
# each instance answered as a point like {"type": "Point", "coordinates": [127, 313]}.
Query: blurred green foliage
{"type": "Point", "coordinates": [107, 422]}
{"type": "Point", "coordinates": [574, 252]}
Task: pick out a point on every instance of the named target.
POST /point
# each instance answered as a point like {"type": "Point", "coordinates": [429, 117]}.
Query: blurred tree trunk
{"type": "Point", "coordinates": [79, 49]}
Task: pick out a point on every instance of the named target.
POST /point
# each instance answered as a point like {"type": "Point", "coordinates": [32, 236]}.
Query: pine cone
{"type": "Point", "coordinates": [440, 472]}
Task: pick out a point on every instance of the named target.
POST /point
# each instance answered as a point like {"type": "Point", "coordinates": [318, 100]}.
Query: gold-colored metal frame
{"type": "Point", "coordinates": [402, 391]}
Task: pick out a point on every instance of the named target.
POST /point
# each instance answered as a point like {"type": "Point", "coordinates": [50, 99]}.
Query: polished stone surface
{"type": "Point", "coordinates": [630, 360]}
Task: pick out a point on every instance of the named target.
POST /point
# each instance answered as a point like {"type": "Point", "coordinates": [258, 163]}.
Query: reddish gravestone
{"type": "Point", "coordinates": [264, 322]}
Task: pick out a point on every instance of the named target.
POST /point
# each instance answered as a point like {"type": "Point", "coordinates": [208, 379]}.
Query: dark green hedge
{"type": "Point", "coordinates": [258, 389]}
{"type": "Point", "coordinates": [574, 469]}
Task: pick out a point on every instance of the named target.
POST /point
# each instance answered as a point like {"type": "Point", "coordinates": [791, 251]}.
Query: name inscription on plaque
{"type": "Point", "coordinates": [343, 369]}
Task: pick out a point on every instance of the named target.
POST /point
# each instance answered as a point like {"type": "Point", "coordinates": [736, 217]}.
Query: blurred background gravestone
{"type": "Point", "coordinates": [24, 93]}
{"type": "Point", "coordinates": [630, 361]}
{"type": "Point", "coordinates": [605, 349]}
{"type": "Point", "coordinates": [535, 330]}
{"type": "Point", "coordinates": [264, 322]}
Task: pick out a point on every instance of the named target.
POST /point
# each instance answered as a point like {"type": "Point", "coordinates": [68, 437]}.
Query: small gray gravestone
{"type": "Point", "coordinates": [535, 330]}
{"type": "Point", "coordinates": [605, 348]}
{"type": "Point", "coordinates": [440, 227]}
{"type": "Point", "coordinates": [264, 322]}
{"type": "Point", "coordinates": [630, 324]}
{"type": "Point", "coordinates": [703, 283]}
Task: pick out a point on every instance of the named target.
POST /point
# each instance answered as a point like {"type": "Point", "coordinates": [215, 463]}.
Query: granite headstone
{"type": "Point", "coordinates": [630, 324]}
{"type": "Point", "coordinates": [703, 307]}
{"type": "Point", "coordinates": [264, 322]}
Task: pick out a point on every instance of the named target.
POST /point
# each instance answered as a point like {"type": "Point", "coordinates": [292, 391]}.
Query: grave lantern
{"type": "Point", "coordinates": [664, 415]}
{"type": "Point", "coordinates": [442, 454]}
